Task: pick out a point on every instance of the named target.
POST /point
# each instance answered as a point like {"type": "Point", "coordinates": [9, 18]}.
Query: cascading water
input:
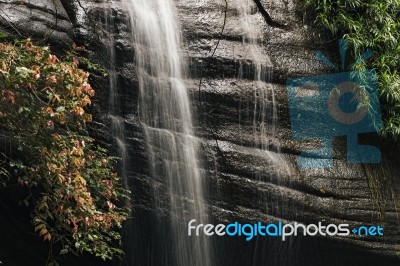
{"type": "Point", "coordinates": [264, 120]}
{"type": "Point", "coordinates": [165, 115]}
{"type": "Point", "coordinates": [264, 109]}
{"type": "Point", "coordinates": [262, 73]}
{"type": "Point", "coordinates": [117, 122]}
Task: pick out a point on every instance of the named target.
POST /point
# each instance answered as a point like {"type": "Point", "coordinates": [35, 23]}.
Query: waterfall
{"type": "Point", "coordinates": [264, 98]}
{"type": "Point", "coordinates": [264, 109]}
{"type": "Point", "coordinates": [165, 115]}
{"type": "Point", "coordinates": [114, 99]}
{"type": "Point", "coordinates": [265, 116]}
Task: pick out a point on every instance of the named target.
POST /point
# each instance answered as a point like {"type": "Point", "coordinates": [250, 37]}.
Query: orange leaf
{"type": "Point", "coordinates": [47, 237]}
{"type": "Point", "coordinates": [43, 231]}
{"type": "Point", "coordinates": [78, 111]}
{"type": "Point", "coordinates": [10, 97]}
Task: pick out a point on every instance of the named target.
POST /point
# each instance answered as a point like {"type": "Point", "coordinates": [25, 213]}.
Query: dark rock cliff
{"type": "Point", "coordinates": [245, 182]}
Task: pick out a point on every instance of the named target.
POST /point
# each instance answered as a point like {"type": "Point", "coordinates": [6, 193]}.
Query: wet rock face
{"type": "Point", "coordinates": [253, 184]}
{"type": "Point", "coordinates": [45, 21]}
{"type": "Point", "coordinates": [251, 173]}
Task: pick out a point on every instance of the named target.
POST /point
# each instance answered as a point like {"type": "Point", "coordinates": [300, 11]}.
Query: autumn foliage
{"type": "Point", "coordinates": [74, 191]}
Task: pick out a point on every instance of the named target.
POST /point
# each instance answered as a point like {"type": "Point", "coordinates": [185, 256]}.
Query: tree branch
{"type": "Point", "coordinates": [267, 16]}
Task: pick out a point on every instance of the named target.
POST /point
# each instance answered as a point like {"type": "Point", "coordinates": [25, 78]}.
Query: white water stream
{"type": "Point", "coordinates": [165, 115]}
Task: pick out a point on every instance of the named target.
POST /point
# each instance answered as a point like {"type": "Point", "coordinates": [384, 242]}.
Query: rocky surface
{"type": "Point", "coordinates": [245, 181]}
{"type": "Point", "coordinates": [252, 184]}
{"type": "Point", "coordinates": [45, 21]}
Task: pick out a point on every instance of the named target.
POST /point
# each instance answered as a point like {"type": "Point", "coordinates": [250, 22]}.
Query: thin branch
{"type": "Point", "coordinates": [267, 16]}
{"type": "Point", "coordinates": [211, 56]}
{"type": "Point", "coordinates": [7, 20]}
{"type": "Point", "coordinates": [216, 46]}
{"type": "Point", "coordinates": [91, 21]}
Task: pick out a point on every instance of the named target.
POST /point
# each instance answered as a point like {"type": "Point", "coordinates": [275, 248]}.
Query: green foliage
{"type": "Point", "coordinates": [74, 190]}
{"type": "Point", "coordinates": [373, 24]}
